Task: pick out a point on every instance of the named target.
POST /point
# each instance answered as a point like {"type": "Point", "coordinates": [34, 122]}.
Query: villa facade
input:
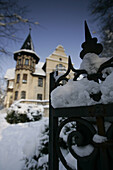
{"type": "Point", "coordinates": [30, 79]}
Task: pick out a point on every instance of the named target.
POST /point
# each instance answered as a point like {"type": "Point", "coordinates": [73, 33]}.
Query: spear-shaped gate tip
{"type": "Point", "coordinates": [87, 33]}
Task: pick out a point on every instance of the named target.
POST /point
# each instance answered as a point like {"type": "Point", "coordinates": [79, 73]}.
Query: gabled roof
{"type": "Point", "coordinates": [59, 51]}
{"type": "Point", "coordinates": [28, 44]}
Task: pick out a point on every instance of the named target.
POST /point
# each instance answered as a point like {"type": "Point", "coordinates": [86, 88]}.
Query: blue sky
{"type": "Point", "coordinates": [61, 22]}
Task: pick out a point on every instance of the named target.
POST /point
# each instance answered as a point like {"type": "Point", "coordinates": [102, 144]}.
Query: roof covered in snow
{"type": "Point", "coordinates": [39, 70]}
{"type": "Point", "coordinates": [10, 74]}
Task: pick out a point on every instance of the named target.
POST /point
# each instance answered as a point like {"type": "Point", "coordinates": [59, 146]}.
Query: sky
{"type": "Point", "coordinates": [61, 23]}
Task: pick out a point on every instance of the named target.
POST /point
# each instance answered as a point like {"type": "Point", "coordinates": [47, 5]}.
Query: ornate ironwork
{"type": "Point", "coordinates": [90, 120]}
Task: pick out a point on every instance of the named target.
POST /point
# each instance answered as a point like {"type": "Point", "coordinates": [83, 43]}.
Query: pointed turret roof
{"type": "Point", "coordinates": [28, 44]}
{"type": "Point", "coordinates": [27, 48]}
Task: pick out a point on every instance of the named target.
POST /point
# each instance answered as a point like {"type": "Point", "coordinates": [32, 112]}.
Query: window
{"type": "Point", "coordinates": [39, 96]}
{"type": "Point", "coordinates": [60, 59]}
{"type": "Point", "coordinates": [24, 78]}
{"type": "Point", "coordinates": [23, 94]}
{"type": "Point", "coordinates": [10, 86]}
{"type": "Point", "coordinates": [18, 78]}
{"type": "Point", "coordinates": [26, 61]}
{"type": "Point", "coordinates": [60, 67]}
{"type": "Point", "coordinates": [16, 95]}
{"type": "Point", "coordinates": [19, 61]}
{"type": "Point", "coordinates": [40, 82]}
{"type": "Point", "coordinates": [32, 64]}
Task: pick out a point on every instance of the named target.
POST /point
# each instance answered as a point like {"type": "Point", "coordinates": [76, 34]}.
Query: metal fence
{"type": "Point", "coordinates": [86, 118]}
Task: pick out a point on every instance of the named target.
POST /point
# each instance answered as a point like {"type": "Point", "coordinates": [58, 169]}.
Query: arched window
{"type": "Point", "coordinates": [23, 94]}
{"type": "Point", "coordinates": [60, 67]}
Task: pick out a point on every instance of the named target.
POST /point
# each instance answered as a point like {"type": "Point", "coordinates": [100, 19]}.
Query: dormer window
{"type": "Point", "coordinates": [26, 61]}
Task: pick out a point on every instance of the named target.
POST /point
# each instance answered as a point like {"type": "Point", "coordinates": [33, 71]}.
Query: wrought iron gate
{"type": "Point", "coordinates": [86, 118]}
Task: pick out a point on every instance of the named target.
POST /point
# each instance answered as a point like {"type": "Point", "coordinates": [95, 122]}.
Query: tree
{"type": "Point", "coordinates": [11, 18]}
{"type": "Point", "coordinates": [2, 92]}
{"type": "Point", "coordinates": [102, 11]}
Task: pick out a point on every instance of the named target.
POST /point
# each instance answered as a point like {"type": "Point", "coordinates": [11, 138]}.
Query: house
{"type": "Point", "coordinates": [30, 79]}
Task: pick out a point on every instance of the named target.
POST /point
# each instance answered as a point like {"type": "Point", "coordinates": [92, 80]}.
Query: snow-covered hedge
{"type": "Point", "coordinates": [20, 113]}
{"type": "Point", "coordinates": [40, 160]}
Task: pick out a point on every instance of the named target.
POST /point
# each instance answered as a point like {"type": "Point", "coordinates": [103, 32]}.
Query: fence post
{"type": "Point", "coordinates": [53, 124]}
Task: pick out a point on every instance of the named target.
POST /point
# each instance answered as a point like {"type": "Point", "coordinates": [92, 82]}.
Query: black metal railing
{"type": "Point", "coordinates": [93, 124]}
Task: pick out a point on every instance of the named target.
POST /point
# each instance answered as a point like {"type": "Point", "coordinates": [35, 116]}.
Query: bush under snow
{"type": "Point", "coordinates": [20, 113]}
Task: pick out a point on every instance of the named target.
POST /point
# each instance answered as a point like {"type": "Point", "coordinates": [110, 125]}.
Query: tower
{"type": "Point", "coordinates": [26, 60]}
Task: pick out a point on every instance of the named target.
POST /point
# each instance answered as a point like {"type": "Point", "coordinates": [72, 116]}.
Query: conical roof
{"type": "Point", "coordinates": [27, 48]}
{"type": "Point", "coordinates": [28, 44]}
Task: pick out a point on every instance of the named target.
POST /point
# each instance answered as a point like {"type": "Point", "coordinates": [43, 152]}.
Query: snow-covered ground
{"type": "Point", "coordinates": [18, 141]}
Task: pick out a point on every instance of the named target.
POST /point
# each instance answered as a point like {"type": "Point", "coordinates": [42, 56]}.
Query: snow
{"type": "Point", "coordinates": [20, 141]}
{"type": "Point", "coordinates": [31, 100]}
{"type": "Point", "coordinates": [107, 89]}
{"type": "Point", "coordinates": [43, 159]}
{"type": "Point", "coordinates": [83, 150]}
{"type": "Point", "coordinates": [10, 74]}
{"type": "Point", "coordinates": [91, 63]}
{"type": "Point", "coordinates": [99, 139]}
{"type": "Point", "coordinates": [23, 108]}
{"type": "Point", "coordinates": [17, 142]}
{"type": "Point", "coordinates": [77, 93]}
{"type": "Point", "coordinates": [26, 50]}
{"type": "Point", "coordinates": [70, 161]}
{"type": "Point", "coordinates": [39, 70]}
